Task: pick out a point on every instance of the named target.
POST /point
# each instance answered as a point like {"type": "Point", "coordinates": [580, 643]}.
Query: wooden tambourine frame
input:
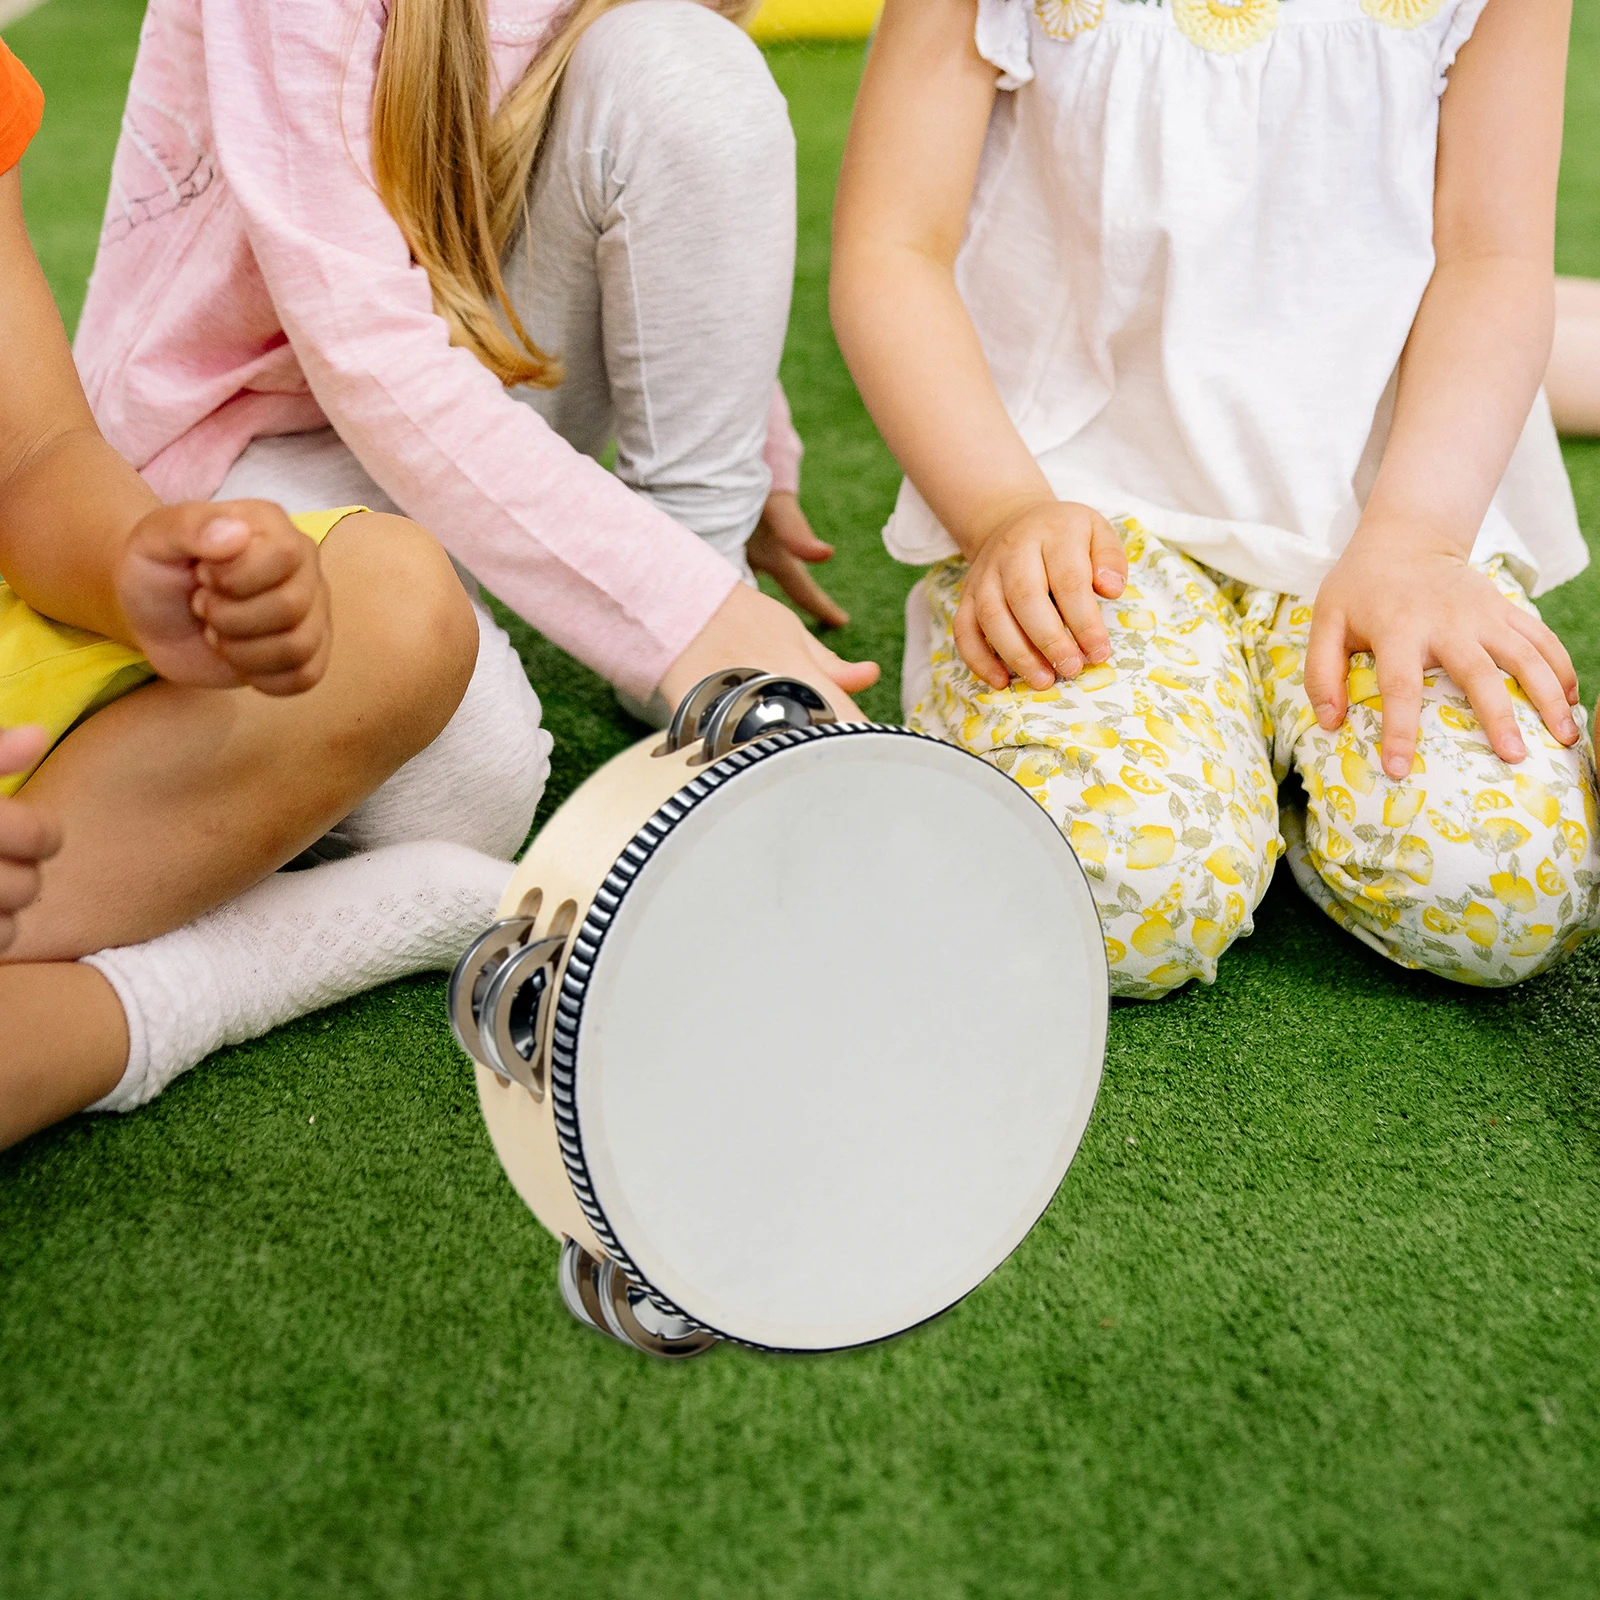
{"type": "Point", "coordinates": [517, 997]}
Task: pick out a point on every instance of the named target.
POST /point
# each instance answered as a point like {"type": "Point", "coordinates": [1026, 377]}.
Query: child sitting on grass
{"type": "Point", "coordinates": [1180, 316]}
{"type": "Point", "coordinates": [136, 934]}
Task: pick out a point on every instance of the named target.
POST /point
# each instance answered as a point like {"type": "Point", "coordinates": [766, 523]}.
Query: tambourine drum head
{"type": "Point", "coordinates": [840, 1041]}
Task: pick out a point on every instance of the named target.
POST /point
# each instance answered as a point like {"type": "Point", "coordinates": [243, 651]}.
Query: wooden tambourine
{"type": "Point", "coordinates": [790, 1027]}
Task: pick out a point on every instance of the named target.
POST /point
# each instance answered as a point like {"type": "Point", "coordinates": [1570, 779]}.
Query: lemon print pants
{"type": "Point", "coordinates": [1186, 765]}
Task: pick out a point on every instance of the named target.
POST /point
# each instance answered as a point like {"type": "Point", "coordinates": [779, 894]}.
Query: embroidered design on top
{"type": "Point", "coordinates": [161, 166]}
{"type": "Point", "coordinates": [1402, 13]}
{"type": "Point", "coordinates": [1228, 26]}
{"type": "Point", "coordinates": [1065, 19]}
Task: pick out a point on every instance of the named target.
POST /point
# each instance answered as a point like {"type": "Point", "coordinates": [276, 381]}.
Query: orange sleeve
{"type": "Point", "coordinates": [21, 109]}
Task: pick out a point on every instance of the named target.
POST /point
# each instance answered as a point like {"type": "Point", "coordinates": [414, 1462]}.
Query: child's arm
{"type": "Point", "coordinates": [1573, 378]}
{"type": "Point", "coordinates": [901, 208]}
{"type": "Point", "coordinates": [215, 596]}
{"type": "Point", "coordinates": [1403, 588]}
{"type": "Point", "coordinates": [27, 836]}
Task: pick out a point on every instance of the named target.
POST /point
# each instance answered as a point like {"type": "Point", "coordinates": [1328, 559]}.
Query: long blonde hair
{"type": "Point", "coordinates": [456, 179]}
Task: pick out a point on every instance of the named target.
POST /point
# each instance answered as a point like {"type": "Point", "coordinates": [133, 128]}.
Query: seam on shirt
{"type": "Point", "coordinates": [638, 320]}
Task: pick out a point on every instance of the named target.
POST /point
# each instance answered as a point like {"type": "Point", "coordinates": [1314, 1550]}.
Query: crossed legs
{"type": "Point", "coordinates": [172, 801]}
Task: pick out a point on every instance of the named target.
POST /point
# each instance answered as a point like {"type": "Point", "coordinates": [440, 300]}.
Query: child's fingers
{"type": "Point", "coordinates": [1484, 685]}
{"type": "Point", "coordinates": [1545, 641]}
{"type": "Point", "coordinates": [1005, 634]}
{"type": "Point", "coordinates": [19, 884]}
{"type": "Point", "coordinates": [267, 560]}
{"type": "Point", "coordinates": [296, 679]}
{"type": "Point", "coordinates": [1327, 667]}
{"type": "Point", "coordinates": [1518, 655]}
{"type": "Point", "coordinates": [791, 527]}
{"type": "Point", "coordinates": [277, 610]}
{"type": "Point", "coordinates": [1028, 598]}
{"type": "Point", "coordinates": [277, 653]}
{"type": "Point", "coordinates": [793, 576]}
{"type": "Point", "coordinates": [851, 676]}
{"type": "Point", "coordinates": [180, 535]}
{"type": "Point", "coordinates": [21, 748]}
{"type": "Point", "coordinates": [1108, 561]}
{"type": "Point", "coordinates": [1072, 587]}
{"type": "Point", "coordinates": [27, 834]}
{"type": "Point", "coordinates": [975, 648]}
{"type": "Point", "coordinates": [1400, 685]}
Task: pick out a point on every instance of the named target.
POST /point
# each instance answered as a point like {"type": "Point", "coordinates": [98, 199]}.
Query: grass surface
{"type": "Point", "coordinates": [1316, 1313]}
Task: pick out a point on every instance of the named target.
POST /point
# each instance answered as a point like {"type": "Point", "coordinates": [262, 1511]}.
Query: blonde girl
{"type": "Point", "coordinates": [434, 255]}
{"type": "Point", "coordinates": [1210, 335]}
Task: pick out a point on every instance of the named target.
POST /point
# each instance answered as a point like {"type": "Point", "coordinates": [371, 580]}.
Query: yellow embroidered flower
{"type": "Point", "coordinates": [1066, 19]}
{"type": "Point", "coordinates": [1402, 13]}
{"type": "Point", "coordinates": [1226, 26]}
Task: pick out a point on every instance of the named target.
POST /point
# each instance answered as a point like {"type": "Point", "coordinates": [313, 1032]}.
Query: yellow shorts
{"type": "Point", "coordinates": [53, 675]}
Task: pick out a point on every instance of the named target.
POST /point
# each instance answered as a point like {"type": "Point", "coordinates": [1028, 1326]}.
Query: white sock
{"type": "Point", "coordinates": [291, 945]}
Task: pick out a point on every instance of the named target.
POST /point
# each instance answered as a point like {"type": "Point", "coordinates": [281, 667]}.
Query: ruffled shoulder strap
{"type": "Point", "coordinates": [1003, 39]}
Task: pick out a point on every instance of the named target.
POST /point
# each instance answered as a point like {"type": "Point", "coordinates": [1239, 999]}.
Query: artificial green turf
{"type": "Point", "coordinates": [1315, 1313]}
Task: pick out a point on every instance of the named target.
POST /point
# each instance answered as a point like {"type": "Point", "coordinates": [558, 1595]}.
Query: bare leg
{"type": "Point", "coordinates": [65, 1044]}
{"type": "Point", "coordinates": [1573, 380]}
{"type": "Point", "coordinates": [174, 800]}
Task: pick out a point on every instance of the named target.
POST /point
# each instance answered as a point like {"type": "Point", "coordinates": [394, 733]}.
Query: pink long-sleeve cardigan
{"type": "Point", "coordinates": [250, 282]}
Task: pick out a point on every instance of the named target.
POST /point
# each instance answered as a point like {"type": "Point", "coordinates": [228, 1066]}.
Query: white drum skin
{"type": "Point", "coordinates": [898, 1259]}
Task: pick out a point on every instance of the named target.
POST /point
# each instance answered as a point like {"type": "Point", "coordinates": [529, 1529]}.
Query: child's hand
{"type": "Point", "coordinates": [27, 835]}
{"type": "Point", "coordinates": [783, 545]}
{"type": "Point", "coordinates": [1031, 604]}
{"type": "Point", "coordinates": [220, 595]}
{"type": "Point", "coordinates": [1416, 608]}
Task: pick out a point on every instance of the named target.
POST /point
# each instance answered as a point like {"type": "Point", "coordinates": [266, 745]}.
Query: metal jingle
{"type": "Point", "coordinates": [580, 1290]}
{"type": "Point", "coordinates": [689, 720]}
{"type": "Point", "coordinates": [631, 1317]}
{"type": "Point", "coordinates": [763, 705]}
{"type": "Point", "coordinates": [469, 983]}
{"type": "Point", "coordinates": [511, 1016]}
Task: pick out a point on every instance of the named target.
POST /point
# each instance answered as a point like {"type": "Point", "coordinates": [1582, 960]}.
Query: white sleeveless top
{"type": "Point", "coordinates": [1200, 234]}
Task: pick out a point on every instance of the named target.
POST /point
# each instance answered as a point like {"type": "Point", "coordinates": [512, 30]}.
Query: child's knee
{"type": "Point", "coordinates": [1517, 894]}
{"type": "Point", "coordinates": [690, 79]}
{"type": "Point", "coordinates": [398, 601]}
{"type": "Point", "coordinates": [479, 783]}
{"type": "Point", "coordinates": [1490, 888]}
{"type": "Point", "coordinates": [1172, 899]}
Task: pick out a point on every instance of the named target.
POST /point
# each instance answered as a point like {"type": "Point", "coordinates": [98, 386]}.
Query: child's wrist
{"type": "Point", "coordinates": [997, 515]}
{"type": "Point", "coordinates": [1388, 532]}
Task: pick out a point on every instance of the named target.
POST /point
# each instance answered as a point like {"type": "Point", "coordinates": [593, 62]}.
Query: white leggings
{"type": "Point", "coordinates": [657, 263]}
